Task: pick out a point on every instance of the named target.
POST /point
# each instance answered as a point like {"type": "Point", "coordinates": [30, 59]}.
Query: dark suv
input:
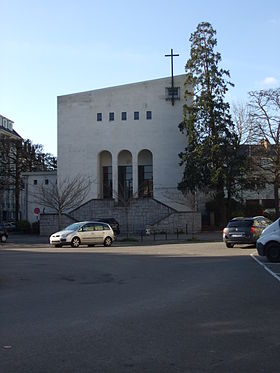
{"type": "Point", "coordinates": [3, 233]}
{"type": "Point", "coordinates": [244, 230]}
{"type": "Point", "coordinates": [112, 222]}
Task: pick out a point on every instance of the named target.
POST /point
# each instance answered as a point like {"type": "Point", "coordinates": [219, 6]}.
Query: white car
{"type": "Point", "coordinates": [84, 233]}
{"type": "Point", "coordinates": [268, 243]}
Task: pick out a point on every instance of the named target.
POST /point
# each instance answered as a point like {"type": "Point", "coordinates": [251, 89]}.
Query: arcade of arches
{"type": "Point", "coordinates": [125, 176]}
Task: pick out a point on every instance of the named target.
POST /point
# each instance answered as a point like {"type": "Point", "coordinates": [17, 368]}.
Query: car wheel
{"type": "Point", "coordinates": [58, 245]}
{"type": "Point", "coordinates": [108, 241]}
{"type": "Point", "coordinates": [229, 245]}
{"type": "Point", "coordinates": [273, 252]}
{"type": "Point", "coordinates": [3, 238]}
{"type": "Point", "coordinates": [75, 242]}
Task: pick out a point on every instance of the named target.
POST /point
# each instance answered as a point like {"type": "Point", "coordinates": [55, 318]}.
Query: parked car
{"type": "Point", "coordinates": [268, 243]}
{"type": "Point", "coordinates": [10, 226]}
{"type": "Point", "coordinates": [84, 233]}
{"type": "Point", "coordinates": [243, 230]}
{"type": "Point", "coordinates": [3, 233]}
{"type": "Point", "coordinates": [112, 222]}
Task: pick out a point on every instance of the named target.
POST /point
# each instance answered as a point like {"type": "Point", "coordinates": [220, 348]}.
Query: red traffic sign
{"type": "Point", "coordinates": [37, 211]}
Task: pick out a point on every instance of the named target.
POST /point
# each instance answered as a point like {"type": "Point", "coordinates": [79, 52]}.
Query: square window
{"type": "Point", "coordinates": [148, 114]}
{"type": "Point", "coordinates": [136, 115]}
{"type": "Point", "coordinates": [35, 182]}
{"type": "Point", "coordinates": [99, 117]}
{"type": "Point", "coordinates": [111, 117]}
{"type": "Point", "coordinates": [124, 115]}
{"type": "Point", "coordinates": [172, 93]}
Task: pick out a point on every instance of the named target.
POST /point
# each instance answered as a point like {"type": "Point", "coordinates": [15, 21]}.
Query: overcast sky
{"type": "Point", "coordinates": [55, 47]}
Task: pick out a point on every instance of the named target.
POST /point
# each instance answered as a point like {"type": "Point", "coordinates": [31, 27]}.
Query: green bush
{"type": "Point", "coordinates": [23, 226]}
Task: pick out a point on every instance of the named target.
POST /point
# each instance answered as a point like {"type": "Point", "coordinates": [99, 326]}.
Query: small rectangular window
{"type": "Point", "coordinates": [172, 93]}
{"type": "Point", "coordinates": [124, 115]}
{"type": "Point", "coordinates": [148, 114]}
{"type": "Point", "coordinates": [99, 117]}
{"type": "Point", "coordinates": [35, 182]}
{"type": "Point", "coordinates": [136, 115]}
{"type": "Point", "coordinates": [46, 182]}
{"type": "Point", "coordinates": [111, 117]}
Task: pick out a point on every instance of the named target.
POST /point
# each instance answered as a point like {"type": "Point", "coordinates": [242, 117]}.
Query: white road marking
{"type": "Point", "coordinates": [265, 267]}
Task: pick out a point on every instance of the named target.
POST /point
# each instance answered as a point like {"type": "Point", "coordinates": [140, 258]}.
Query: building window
{"type": "Point", "coordinates": [148, 114]}
{"type": "Point", "coordinates": [99, 117]}
{"type": "Point", "coordinates": [107, 182]}
{"type": "Point", "coordinates": [124, 117]}
{"type": "Point", "coordinates": [172, 93]}
{"type": "Point", "coordinates": [136, 115]}
{"type": "Point", "coordinates": [145, 181]}
{"type": "Point", "coordinates": [47, 182]}
{"type": "Point", "coordinates": [111, 117]}
{"type": "Point", "coordinates": [35, 182]}
{"type": "Point", "coordinates": [125, 188]}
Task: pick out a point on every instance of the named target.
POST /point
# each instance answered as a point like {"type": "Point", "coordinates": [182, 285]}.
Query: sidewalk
{"type": "Point", "coordinates": [209, 236]}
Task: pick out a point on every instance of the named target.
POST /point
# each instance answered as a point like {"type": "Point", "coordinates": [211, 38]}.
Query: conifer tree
{"type": "Point", "coordinates": [207, 121]}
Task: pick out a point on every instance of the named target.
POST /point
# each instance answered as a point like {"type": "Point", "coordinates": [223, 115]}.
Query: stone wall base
{"type": "Point", "coordinates": [133, 218]}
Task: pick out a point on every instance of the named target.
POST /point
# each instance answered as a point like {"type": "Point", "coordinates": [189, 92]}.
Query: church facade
{"type": "Point", "coordinates": [125, 138]}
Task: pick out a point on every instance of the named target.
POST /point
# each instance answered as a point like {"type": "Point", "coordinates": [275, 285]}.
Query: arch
{"type": "Point", "coordinates": [125, 178]}
{"type": "Point", "coordinates": [105, 179]}
{"type": "Point", "coordinates": [145, 173]}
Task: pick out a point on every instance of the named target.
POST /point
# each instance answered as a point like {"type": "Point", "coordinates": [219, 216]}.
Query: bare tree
{"type": "Point", "coordinates": [244, 126]}
{"type": "Point", "coordinates": [265, 114]}
{"type": "Point", "coordinates": [67, 195]}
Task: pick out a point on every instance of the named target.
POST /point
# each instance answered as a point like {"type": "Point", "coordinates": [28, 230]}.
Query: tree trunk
{"type": "Point", "coordinates": [221, 209]}
{"type": "Point", "coordinates": [59, 219]}
{"type": "Point", "coordinates": [276, 197]}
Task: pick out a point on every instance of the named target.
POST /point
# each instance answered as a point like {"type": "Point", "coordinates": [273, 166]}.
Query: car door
{"type": "Point", "coordinates": [87, 233]}
{"type": "Point", "coordinates": [99, 232]}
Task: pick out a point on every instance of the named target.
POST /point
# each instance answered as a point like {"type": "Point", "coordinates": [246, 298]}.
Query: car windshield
{"type": "Point", "coordinates": [73, 227]}
{"type": "Point", "coordinates": [240, 223]}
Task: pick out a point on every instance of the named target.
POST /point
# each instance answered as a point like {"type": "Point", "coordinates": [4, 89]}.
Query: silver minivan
{"type": "Point", "coordinates": [84, 233]}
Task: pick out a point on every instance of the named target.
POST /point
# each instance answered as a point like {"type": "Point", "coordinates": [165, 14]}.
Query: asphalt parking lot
{"type": "Point", "coordinates": [193, 306]}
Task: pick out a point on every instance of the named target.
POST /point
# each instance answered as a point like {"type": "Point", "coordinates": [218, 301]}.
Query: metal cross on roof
{"type": "Point", "coordinates": [171, 55]}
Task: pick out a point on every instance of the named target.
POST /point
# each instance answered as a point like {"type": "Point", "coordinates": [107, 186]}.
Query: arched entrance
{"type": "Point", "coordinates": [105, 172]}
{"type": "Point", "coordinates": [145, 173]}
{"type": "Point", "coordinates": [125, 180]}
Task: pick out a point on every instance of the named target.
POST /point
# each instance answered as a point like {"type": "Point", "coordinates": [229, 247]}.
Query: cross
{"type": "Point", "coordinates": [172, 77]}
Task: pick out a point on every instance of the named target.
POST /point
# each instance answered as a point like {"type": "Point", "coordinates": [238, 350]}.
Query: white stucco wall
{"type": "Point", "coordinates": [32, 183]}
{"type": "Point", "coordinates": [81, 137]}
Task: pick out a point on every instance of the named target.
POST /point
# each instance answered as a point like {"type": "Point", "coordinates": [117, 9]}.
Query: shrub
{"type": "Point", "coordinates": [23, 226]}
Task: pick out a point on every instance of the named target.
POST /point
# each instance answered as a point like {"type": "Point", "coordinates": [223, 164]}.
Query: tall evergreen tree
{"type": "Point", "coordinates": [207, 121]}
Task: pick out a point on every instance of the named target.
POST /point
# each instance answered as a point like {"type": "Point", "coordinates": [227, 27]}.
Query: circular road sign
{"type": "Point", "coordinates": [37, 211]}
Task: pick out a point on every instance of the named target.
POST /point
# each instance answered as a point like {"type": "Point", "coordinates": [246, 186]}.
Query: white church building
{"type": "Point", "coordinates": [126, 140]}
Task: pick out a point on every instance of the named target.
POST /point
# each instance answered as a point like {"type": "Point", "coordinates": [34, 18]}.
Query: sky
{"type": "Point", "coordinates": [50, 48]}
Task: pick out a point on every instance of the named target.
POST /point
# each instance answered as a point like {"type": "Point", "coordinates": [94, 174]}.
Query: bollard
{"type": "Point", "coordinates": [186, 228]}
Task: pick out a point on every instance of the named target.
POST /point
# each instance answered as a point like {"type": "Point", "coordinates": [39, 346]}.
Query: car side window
{"type": "Point", "coordinates": [88, 228]}
{"type": "Point", "coordinates": [98, 227]}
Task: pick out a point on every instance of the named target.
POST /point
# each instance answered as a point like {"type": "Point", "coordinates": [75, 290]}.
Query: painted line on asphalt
{"type": "Point", "coordinates": [265, 267]}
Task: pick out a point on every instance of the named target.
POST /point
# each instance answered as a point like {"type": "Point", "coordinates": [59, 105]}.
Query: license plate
{"type": "Point", "coordinates": [237, 235]}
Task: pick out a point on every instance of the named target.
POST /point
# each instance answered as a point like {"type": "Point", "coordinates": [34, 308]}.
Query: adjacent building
{"type": "Point", "coordinates": [7, 192]}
